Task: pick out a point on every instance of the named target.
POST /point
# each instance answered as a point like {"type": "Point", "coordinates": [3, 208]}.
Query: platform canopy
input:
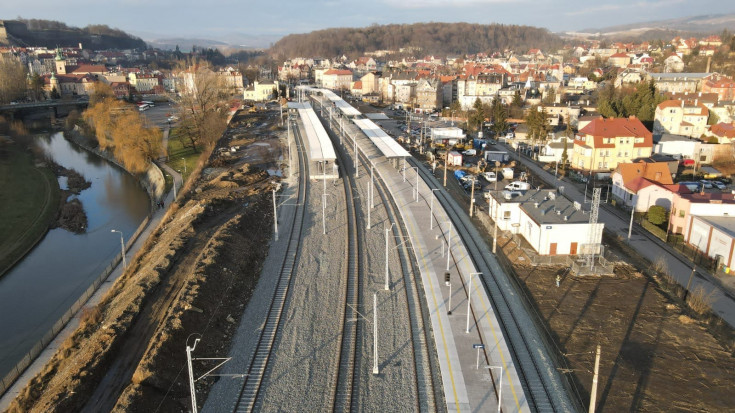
{"type": "Point", "coordinates": [386, 144]}
{"type": "Point", "coordinates": [340, 103]}
{"type": "Point", "coordinates": [320, 147]}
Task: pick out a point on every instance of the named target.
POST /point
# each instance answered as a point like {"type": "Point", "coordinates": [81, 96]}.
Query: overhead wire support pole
{"type": "Point", "coordinates": [431, 215]}
{"type": "Point", "coordinates": [387, 273]}
{"type": "Point", "coordinates": [376, 368]}
{"type": "Point", "coordinates": [275, 216]}
{"type": "Point", "coordinates": [469, 300]}
{"type": "Point", "coordinates": [449, 243]}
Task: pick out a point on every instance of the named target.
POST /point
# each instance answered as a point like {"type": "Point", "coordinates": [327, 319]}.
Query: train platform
{"type": "Point", "coordinates": [470, 362]}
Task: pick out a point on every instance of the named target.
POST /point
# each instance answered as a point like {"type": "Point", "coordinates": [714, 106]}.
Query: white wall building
{"type": "Point", "coordinates": [552, 224]}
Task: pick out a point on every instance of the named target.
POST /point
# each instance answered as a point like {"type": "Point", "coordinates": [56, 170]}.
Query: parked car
{"type": "Point", "coordinates": [490, 176]}
{"type": "Point", "coordinates": [518, 186]}
{"type": "Point", "coordinates": [707, 184]}
{"type": "Point", "coordinates": [692, 186]}
{"type": "Point", "coordinates": [470, 152]}
{"type": "Point", "coordinates": [719, 185]}
{"type": "Point", "coordinates": [687, 162]}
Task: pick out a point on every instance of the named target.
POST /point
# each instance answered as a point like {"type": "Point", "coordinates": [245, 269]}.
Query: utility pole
{"type": "Point", "coordinates": [472, 197]}
{"type": "Point", "coordinates": [431, 216]}
{"type": "Point", "coordinates": [469, 300]}
{"type": "Point", "coordinates": [192, 389]}
{"type": "Point", "coordinates": [593, 392]}
{"type": "Point", "coordinates": [446, 164]}
{"type": "Point", "coordinates": [449, 243]}
{"type": "Point", "coordinates": [275, 215]}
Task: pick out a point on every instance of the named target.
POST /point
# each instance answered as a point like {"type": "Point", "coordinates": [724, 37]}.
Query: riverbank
{"type": "Point", "coordinates": [30, 194]}
{"type": "Point", "coordinates": [152, 180]}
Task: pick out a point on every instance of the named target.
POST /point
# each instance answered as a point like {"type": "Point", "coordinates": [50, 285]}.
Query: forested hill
{"type": "Point", "coordinates": [432, 38]}
{"type": "Point", "coordinates": [51, 33]}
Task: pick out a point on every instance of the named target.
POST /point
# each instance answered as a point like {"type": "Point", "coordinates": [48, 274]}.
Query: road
{"type": "Point", "coordinates": [650, 247]}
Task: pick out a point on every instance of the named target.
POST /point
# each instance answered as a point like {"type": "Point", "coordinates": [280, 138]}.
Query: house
{"type": "Point", "coordinates": [551, 223]}
{"type": "Point", "coordinates": [723, 86]}
{"type": "Point", "coordinates": [681, 117]}
{"type": "Point", "coordinates": [553, 150]}
{"type": "Point", "coordinates": [337, 79]}
{"type": "Point", "coordinates": [619, 60]}
{"type": "Point", "coordinates": [604, 143]}
{"type": "Point", "coordinates": [261, 91]}
{"type": "Point", "coordinates": [714, 236]}
{"type": "Point", "coordinates": [698, 204]}
{"type": "Point", "coordinates": [643, 184]}
{"type": "Point", "coordinates": [677, 145]}
{"type": "Point", "coordinates": [673, 64]}
{"type": "Point", "coordinates": [143, 83]}
{"type": "Point", "coordinates": [428, 95]}
{"type": "Point", "coordinates": [370, 83]}
{"type": "Point", "coordinates": [723, 132]}
{"type": "Point", "coordinates": [679, 82]}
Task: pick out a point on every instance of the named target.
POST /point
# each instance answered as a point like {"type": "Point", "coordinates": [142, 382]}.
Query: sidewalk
{"type": "Point", "coordinates": [650, 247]}
{"type": "Point", "coordinates": [38, 364]}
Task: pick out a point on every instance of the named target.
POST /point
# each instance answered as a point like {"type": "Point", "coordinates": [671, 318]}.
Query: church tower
{"type": "Point", "coordinates": [60, 62]}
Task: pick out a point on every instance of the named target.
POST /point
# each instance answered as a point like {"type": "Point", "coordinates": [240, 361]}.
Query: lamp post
{"type": "Point", "coordinates": [417, 182]}
{"type": "Point", "coordinates": [632, 213]}
{"type": "Point", "coordinates": [184, 159]}
{"type": "Point", "coordinates": [275, 216]}
{"type": "Point", "coordinates": [472, 197]}
{"type": "Point", "coordinates": [469, 300]}
{"type": "Point", "coordinates": [122, 248]}
{"type": "Point", "coordinates": [500, 385]}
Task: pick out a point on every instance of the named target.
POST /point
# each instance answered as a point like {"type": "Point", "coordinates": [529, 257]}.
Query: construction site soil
{"type": "Point", "coordinates": [199, 269]}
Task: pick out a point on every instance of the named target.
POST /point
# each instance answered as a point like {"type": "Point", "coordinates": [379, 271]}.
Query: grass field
{"type": "Point", "coordinates": [30, 197]}
{"type": "Point", "coordinates": [181, 158]}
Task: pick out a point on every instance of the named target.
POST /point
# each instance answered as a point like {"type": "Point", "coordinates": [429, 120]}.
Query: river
{"type": "Point", "coordinates": [42, 287]}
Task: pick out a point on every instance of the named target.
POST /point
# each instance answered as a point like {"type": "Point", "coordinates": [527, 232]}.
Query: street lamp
{"type": "Point", "coordinates": [184, 159]}
{"type": "Point", "coordinates": [122, 248]}
{"type": "Point", "coordinates": [500, 385]}
{"type": "Point", "coordinates": [469, 300]}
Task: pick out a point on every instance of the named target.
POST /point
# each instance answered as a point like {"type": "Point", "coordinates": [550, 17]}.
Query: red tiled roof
{"type": "Point", "coordinates": [633, 173]}
{"type": "Point", "coordinates": [615, 128]}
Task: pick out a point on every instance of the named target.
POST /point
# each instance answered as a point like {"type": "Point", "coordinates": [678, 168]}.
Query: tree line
{"type": "Point", "coordinates": [432, 38]}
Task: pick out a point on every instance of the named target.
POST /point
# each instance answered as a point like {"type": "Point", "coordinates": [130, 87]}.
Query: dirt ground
{"type": "Point", "coordinates": [192, 280]}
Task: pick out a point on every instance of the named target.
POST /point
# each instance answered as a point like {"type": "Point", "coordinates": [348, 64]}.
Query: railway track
{"type": "Point", "coordinates": [352, 327]}
{"type": "Point", "coordinates": [423, 353]}
{"type": "Point", "coordinates": [250, 396]}
{"type": "Point", "coordinates": [540, 381]}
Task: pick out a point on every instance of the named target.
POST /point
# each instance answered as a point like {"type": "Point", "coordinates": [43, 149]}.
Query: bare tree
{"type": "Point", "coordinates": [202, 107]}
{"type": "Point", "coordinates": [12, 79]}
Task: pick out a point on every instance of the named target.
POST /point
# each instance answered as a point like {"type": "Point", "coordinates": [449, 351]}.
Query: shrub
{"type": "Point", "coordinates": [657, 214]}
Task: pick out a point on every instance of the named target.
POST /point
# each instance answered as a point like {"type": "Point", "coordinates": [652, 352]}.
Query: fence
{"type": "Point", "coordinates": [41, 344]}
{"type": "Point", "coordinates": [581, 267]}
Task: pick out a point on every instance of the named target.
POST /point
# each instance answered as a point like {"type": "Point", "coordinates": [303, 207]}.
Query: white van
{"type": "Point", "coordinates": [518, 186]}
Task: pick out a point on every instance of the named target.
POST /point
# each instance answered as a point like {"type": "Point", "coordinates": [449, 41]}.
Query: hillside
{"type": "Point", "coordinates": [50, 33]}
{"type": "Point", "coordinates": [707, 24]}
{"type": "Point", "coordinates": [432, 38]}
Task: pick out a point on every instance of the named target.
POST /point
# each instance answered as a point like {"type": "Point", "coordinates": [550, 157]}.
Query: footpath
{"type": "Point", "coordinates": [650, 247]}
{"type": "Point", "coordinates": [131, 249]}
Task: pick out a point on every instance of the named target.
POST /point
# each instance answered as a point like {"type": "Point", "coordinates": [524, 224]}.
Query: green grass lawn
{"type": "Point", "coordinates": [30, 198]}
{"type": "Point", "coordinates": [181, 158]}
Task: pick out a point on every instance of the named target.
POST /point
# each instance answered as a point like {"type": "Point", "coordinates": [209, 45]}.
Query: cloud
{"type": "Point", "coordinates": [633, 7]}
{"type": "Point", "coordinates": [446, 4]}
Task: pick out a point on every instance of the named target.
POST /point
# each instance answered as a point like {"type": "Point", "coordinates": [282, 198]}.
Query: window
{"type": "Point", "coordinates": [681, 213]}
{"type": "Point", "coordinates": [506, 214]}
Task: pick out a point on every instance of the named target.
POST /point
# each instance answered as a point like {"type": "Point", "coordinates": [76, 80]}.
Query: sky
{"type": "Point", "coordinates": [228, 19]}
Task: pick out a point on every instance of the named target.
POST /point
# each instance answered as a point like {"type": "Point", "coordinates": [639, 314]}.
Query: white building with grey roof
{"type": "Point", "coordinates": [550, 223]}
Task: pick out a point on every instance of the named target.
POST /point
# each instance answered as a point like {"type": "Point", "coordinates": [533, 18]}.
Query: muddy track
{"type": "Point", "coordinates": [154, 313]}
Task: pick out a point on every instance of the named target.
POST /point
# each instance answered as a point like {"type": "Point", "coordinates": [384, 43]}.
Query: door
{"type": "Point", "coordinates": [552, 248]}
{"type": "Point", "coordinates": [573, 249]}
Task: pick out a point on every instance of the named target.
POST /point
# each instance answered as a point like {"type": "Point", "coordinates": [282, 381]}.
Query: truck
{"type": "Point", "coordinates": [470, 152]}
{"type": "Point", "coordinates": [507, 173]}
